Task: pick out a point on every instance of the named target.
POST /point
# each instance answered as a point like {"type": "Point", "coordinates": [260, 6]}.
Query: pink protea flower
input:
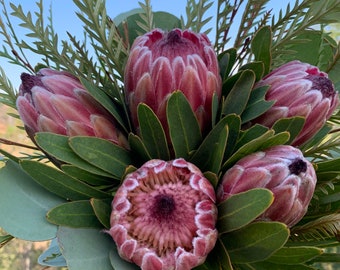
{"type": "Point", "coordinates": [281, 169]}
{"type": "Point", "coordinates": [55, 101]}
{"type": "Point", "coordinates": [162, 62]}
{"type": "Point", "coordinates": [164, 216]}
{"type": "Point", "coordinates": [299, 89]}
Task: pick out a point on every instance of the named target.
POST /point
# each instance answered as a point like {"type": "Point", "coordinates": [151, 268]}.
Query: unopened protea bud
{"type": "Point", "coordinates": [281, 169]}
{"type": "Point", "coordinates": [299, 89]}
{"type": "Point", "coordinates": [162, 62]}
{"type": "Point", "coordinates": [55, 101]}
{"type": "Point", "coordinates": [163, 216]}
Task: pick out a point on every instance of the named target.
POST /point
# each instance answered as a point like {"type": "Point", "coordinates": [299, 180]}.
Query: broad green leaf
{"type": "Point", "coordinates": [250, 134]}
{"type": "Point", "coordinates": [328, 257]}
{"type": "Point", "coordinates": [257, 67]}
{"type": "Point", "coordinates": [59, 183]}
{"type": "Point", "coordinates": [234, 128]}
{"type": "Point", "coordinates": [52, 256]}
{"type": "Point", "coordinates": [105, 101]}
{"type": "Point", "coordinates": [238, 96]}
{"type": "Point", "coordinates": [226, 61]}
{"type": "Point", "coordinates": [209, 155]}
{"type": "Point", "coordinates": [261, 47]}
{"type": "Point", "coordinates": [273, 266]}
{"type": "Point", "coordinates": [87, 177]}
{"type": "Point", "coordinates": [120, 264]}
{"type": "Point", "coordinates": [102, 154]}
{"type": "Point", "coordinates": [77, 214]}
{"type": "Point", "coordinates": [184, 129]}
{"type": "Point", "coordinates": [229, 83]}
{"type": "Point", "coordinates": [327, 166]}
{"type": "Point", "coordinates": [257, 104]}
{"type": "Point", "coordinates": [139, 148]}
{"type": "Point", "coordinates": [293, 125]}
{"type": "Point", "coordinates": [102, 210]}
{"type": "Point", "coordinates": [24, 204]}
{"type": "Point", "coordinates": [255, 242]}
{"type": "Point", "coordinates": [262, 142]}
{"type": "Point", "coordinates": [152, 133]}
{"type": "Point", "coordinates": [241, 209]}
{"type": "Point", "coordinates": [58, 146]}
{"type": "Point", "coordinates": [161, 19]}
{"type": "Point", "coordinates": [294, 255]}
{"type": "Point", "coordinates": [92, 249]}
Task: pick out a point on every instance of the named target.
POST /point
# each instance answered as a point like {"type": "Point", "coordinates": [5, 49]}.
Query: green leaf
{"type": "Point", "coordinates": [268, 265]}
{"type": "Point", "coordinates": [77, 214]}
{"type": "Point", "coordinates": [255, 242]}
{"type": "Point", "coordinates": [209, 155]}
{"type": "Point", "coordinates": [242, 208]}
{"type": "Point", "coordinates": [60, 183]}
{"type": "Point", "coordinates": [52, 256]}
{"type": "Point", "coordinates": [58, 146]}
{"type": "Point", "coordinates": [24, 204]}
{"type": "Point", "coordinates": [234, 127]}
{"type": "Point", "coordinates": [92, 249]}
{"type": "Point", "coordinates": [152, 133]}
{"type": "Point", "coordinates": [138, 147]}
{"type": "Point", "coordinates": [184, 129]}
{"type": "Point", "coordinates": [294, 255]}
{"type": "Point", "coordinates": [120, 264]}
{"type": "Point", "coordinates": [292, 125]}
{"type": "Point", "coordinates": [238, 96]}
{"type": "Point", "coordinates": [102, 210]}
{"type": "Point", "coordinates": [329, 165]}
{"type": "Point", "coordinates": [257, 67]}
{"type": "Point", "coordinates": [102, 154]}
{"type": "Point", "coordinates": [226, 61]}
{"type": "Point", "coordinates": [87, 177]}
{"type": "Point", "coordinates": [5, 239]}
{"type": "Point", "coordinates": [257, 104]}
{"type": "Point", "coordinates": [261, 47]}
{"type": "Point", "coordinates": [105, 101]}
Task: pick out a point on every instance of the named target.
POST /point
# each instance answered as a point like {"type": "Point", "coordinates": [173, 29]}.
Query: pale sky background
{"type": "Point", "coordinates": [64, 19]}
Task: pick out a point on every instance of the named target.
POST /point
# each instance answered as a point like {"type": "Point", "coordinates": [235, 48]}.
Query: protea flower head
{"type": "Point", "coordinates": [164, 216]}
{"type": "Point", "coordinates": [162, 62]}
{"type": "Point", "coordinates": [299, 89]}
{"type": "Point", "coordinates": [55, 101]}
{"type": "Point", "coordinates": [281, 169]}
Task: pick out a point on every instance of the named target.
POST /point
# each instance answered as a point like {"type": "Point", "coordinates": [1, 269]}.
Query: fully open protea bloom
{"type": "Point", "coordinates": [281, 169]}
{"type": "Point", "coordinates": [162, 62]}
{"type": "Point", "coordinates": [55, 101]}
{"type": "Point", "coordinates": [299, 89]}
{"type": "Point", "coordinates": [164, 216]}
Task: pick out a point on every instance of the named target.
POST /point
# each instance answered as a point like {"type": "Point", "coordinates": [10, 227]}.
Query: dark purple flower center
{"type": "Point", "coordinates": [297, 166]}
{"type": "Point", "coordinates": [29, 81]}
{"type": "Point", "coordinates": [163, 206]}
{"type": "Point", "coordinates": [323, 84]}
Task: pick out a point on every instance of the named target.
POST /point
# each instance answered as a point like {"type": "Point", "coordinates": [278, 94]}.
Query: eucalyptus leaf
{"type": "Point", "coordinates": [77, 214]}
{"type": "Point", "coordinates": [90, 252]}
{"type": "Point", "coordinates": [242, 208]}
{"type": "Point", "coordinates": [24, 205]}
{"type": "Point", "coordinates": [184, 129]}
{"type": "Point", "coordinates": [238, 96]}
{"type": "Point", "coordinates": [120, 264]}
{"type": "Point", "coordinates": [261, 47]}
{"type": "Point", "coordinates": [52, 256]}
{"type": "Point", "coordinates": [255, 242]}
{"type": "Point", "coordinates": [59, 183]}
{"type": "Point", "coordinates": [152, 133]}
{"type": "Point", "coordinates": [58, 146]}
{"type": "Point", "coordinates": [102, 154]}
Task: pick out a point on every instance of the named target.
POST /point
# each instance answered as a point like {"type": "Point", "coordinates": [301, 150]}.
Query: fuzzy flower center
{"type": "Point", "coordinates": [323, 84]}
{"type": "Point", "coordinates": [297, 166]}
{"type": "Point", "coordinates": [163, 206]}
{"type": "Point", "coordinates": [29, 81]}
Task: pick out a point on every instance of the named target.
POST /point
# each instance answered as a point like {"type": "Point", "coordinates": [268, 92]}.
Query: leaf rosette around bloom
{"type": "Point", "coordinates": [164, 216]}
{"type": "Point", "coordinates": [299, 89]}
{"type": "Point", "coordinates": [163, 62]}
{"type": "Point", "coordinates": [55, 101]}
{"type": "Point", "coordinates": [281, 169]}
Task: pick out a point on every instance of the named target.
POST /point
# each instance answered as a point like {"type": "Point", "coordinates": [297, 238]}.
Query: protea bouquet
{"type": "Point", "coordinates": [164, 147]}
